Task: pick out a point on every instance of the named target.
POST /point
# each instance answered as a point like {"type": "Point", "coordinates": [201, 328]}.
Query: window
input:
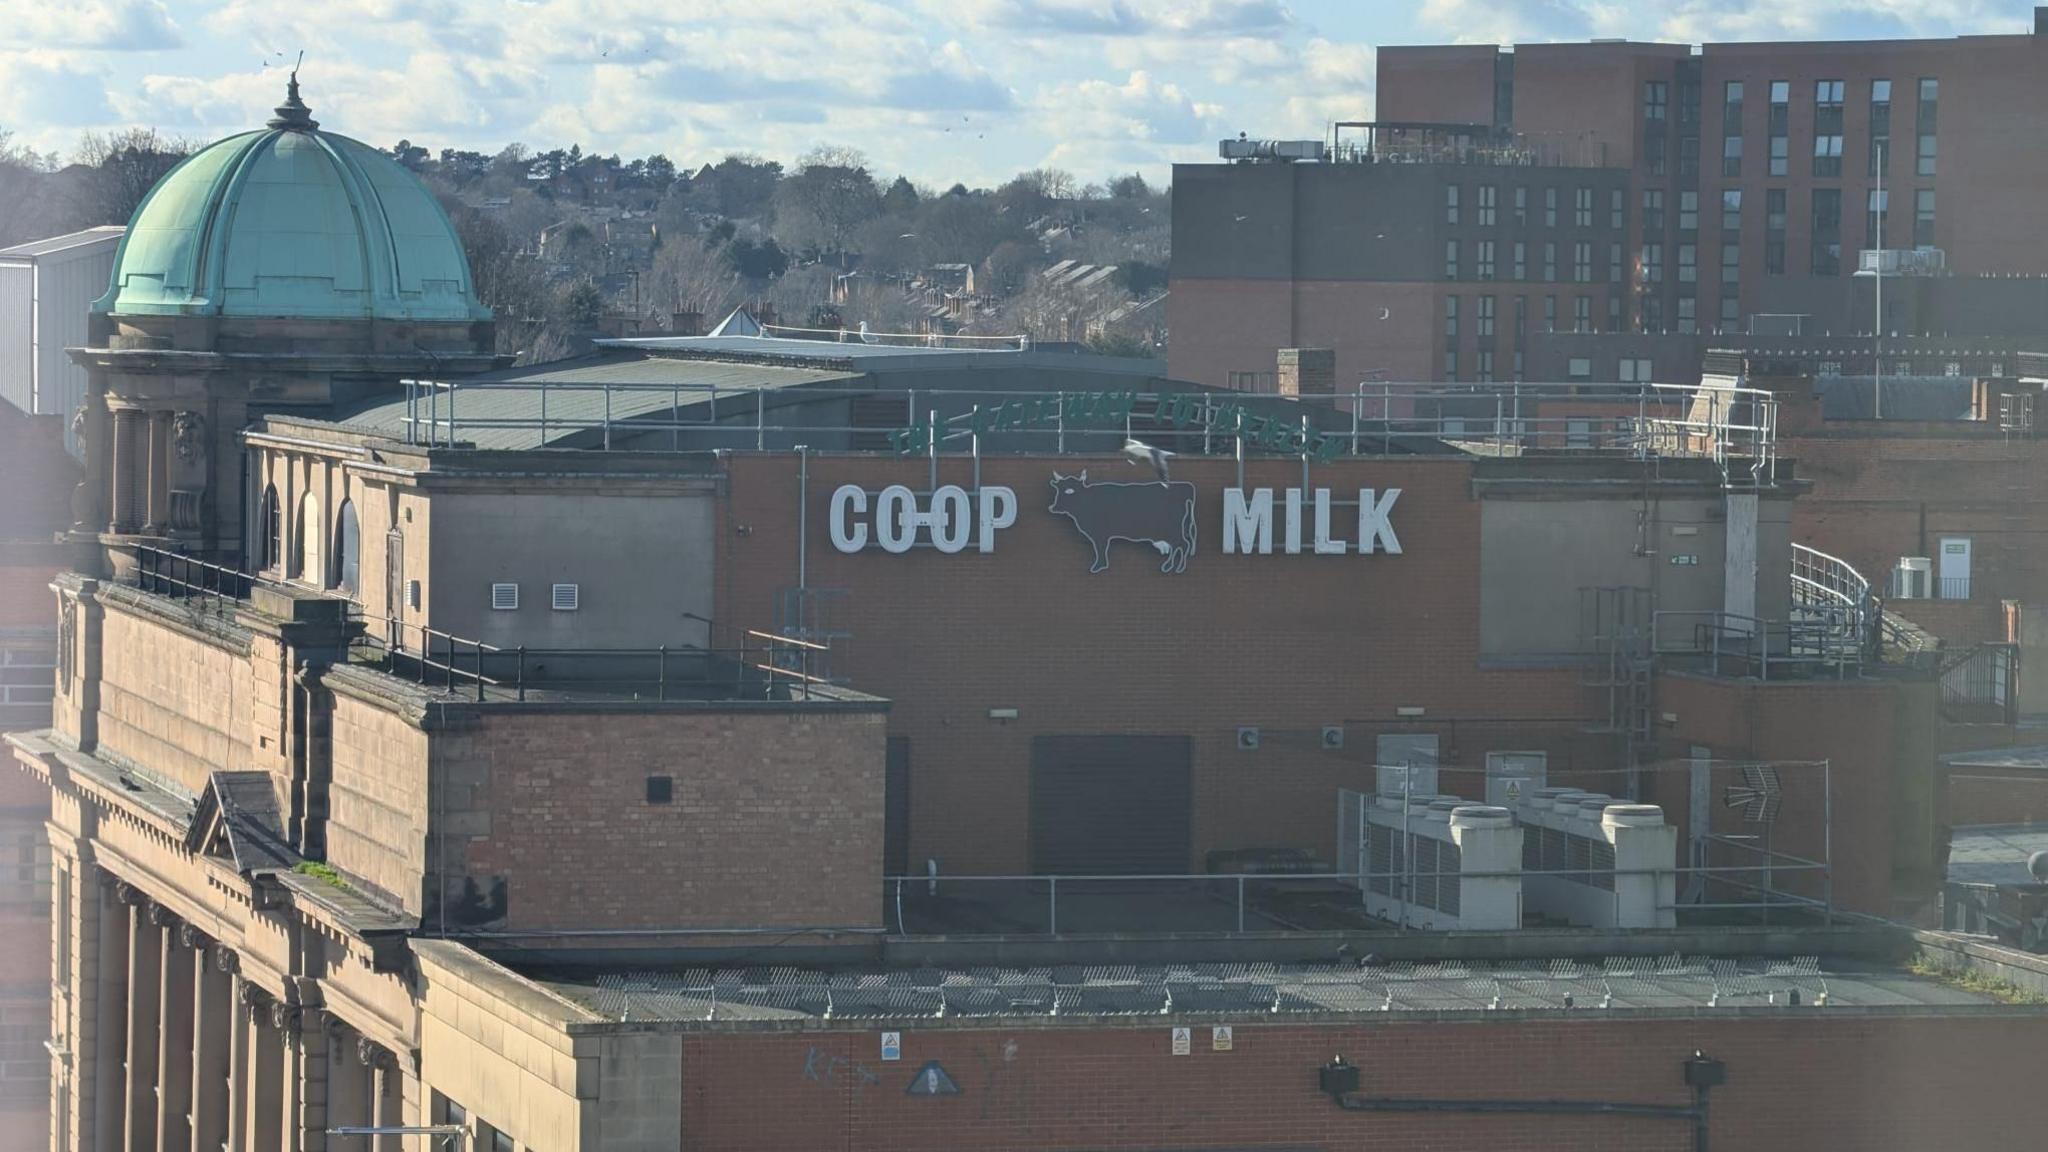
{"type": "Point", "coordinates": [1731, 262]}
{"type": "Point", "coordinates": [1615, 206]}
{"type": "Point", "coordinates": [1521, 318]}
{"type": "Point", "coordinates": [1688, 314]}
{"type": "Point", "coordinates": [1731, 210]}
{"type": "Point", "coordinates": [1731, 108]}
{"type": "Point", "coordinates": [1780, 124]}
{"type": "Point", "coordinates": [1521, 260]}
{"type": "Point", "coordinates": [306, 542]}
{"type": "Point", "coordinates": [1450, 363]}
{"type": "Point", "coordinates": [1450, 320]}
{"type": "Point", "coordinates": [1688, 211]}
{"type": "Point", "coordinates": [1550, 313]}
{"type": "Point", "coordinates": [1582, 313]}
{"type": "Point", "coordinates": [1518, 366]}
{"type": "Point", "coordinates": [1483, 264]}
{"type": "Point", "coordinates": [1827, 94]}
{"type": "Point", "coordinates": [1653, 263]}
{"type": "Point", "coordinates": [1880, 124]}
{"type": "Point", "coordinates": [1550, 261]}
{"type": "Point", "coordinates": [1484, 372]}
{"type": "Point", "coordinates": [1876, 206]}
{"type": "Point", "coordinates": [1486, 194]}
{"type": "Point", "coordinates": [1731, 156]}
{"type": "Point", "coordinates": [1614, 263]}
{"type": "Point", "coordinates": [1688, 157]}
{"type": "Point", "coordinates": [504, 597]}
{"type": "Point", "coordinates": [1521, 207]}
{"type": "Point", "coordinates": [1582, 263]}
{"type": "Point", "coordinates": [453, 1113]}
{"type": "Point", "coordinates": [1731, 312]}
{"type": "Point", "coordinates": [1450, 203]}
{"type": "Point", "coordinates": [1656, 96]}
{"type": "Point", "coordinates": [661, 789]}
{"type": "Point", "coordinates": [1614, 312]}
{"type": "Point", "coordinates": [1634, 371]}
{"type": "Point", "coordinates": [61, 936]}
{"type": "Point", "coordinates": [1923, 218]}
{"type": "Point", "coordinates": [1827, 232]}
{"type": "Point", "coordinates": [1450, 259]}
{"type": "Point", "coordinates": [271, 546]}
{"type": "Point", "coordinates": [1688, 263]}
{"type": "Point", "coordinates": [1653, 211]}
{"type": "Point", "coordinates": [1485, 317]}
{"type": "Point", "coordinates": [1774, 231]}
{"type": "Point", "coordinates": [1653, 152]}
{"type": "Point", "coordinates": [565, 597]}
{"type": "Point", "coordinates": [1582, 208]}
{"type": "Point", "coordinates": [500, 1142]}
{"type": "Point", "coordinates": [1652, 319]}
{"type": "Point", "coordinates": [1924, 124]}
{"type": "Point", "coordinates": [1578, 368]}
{"type": "Point", "coordinates": [348, 548]}
{"type": "Point", "coordinates": [1550, 207]}
{"type": "Point", "coordinates": [1827, 156]}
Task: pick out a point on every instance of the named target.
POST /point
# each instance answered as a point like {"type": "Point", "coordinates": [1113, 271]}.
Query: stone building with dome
{"type": "Point", "coordinates": [284, 270]}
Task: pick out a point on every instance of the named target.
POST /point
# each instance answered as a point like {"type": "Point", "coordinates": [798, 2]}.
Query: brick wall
{"type": "Point", "coordinates": [1878, 739]}
{"type": "Point", "coordinates": [1875, 1084]}
{"type": "Point", "coordinates": [1286, 643]}
{"type": "Point", "coordinates": [776, 817]}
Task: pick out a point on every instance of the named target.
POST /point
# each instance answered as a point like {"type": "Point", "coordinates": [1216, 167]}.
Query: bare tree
{"type": "Point", "coordinates": [127, 165]}
{"type": "Point", "coordinates": [688, 276]}
{"type": "Point", "coordinates": [831, 194]}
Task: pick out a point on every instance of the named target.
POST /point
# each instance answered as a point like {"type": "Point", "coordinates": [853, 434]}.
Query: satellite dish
{"type": "Point", "coordinates": [2038, 865]}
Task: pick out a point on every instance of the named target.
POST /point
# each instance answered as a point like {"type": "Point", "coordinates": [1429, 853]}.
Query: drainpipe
{"type": "Point", "coordinates": [803, 540]}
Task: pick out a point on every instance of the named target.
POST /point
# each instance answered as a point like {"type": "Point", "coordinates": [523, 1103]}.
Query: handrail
{"type": "Point", "coordinates": [182, 577]}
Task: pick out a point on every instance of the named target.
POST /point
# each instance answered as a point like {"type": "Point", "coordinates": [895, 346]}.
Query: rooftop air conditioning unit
{"type": "Point", "coordinates": [1913, 579]}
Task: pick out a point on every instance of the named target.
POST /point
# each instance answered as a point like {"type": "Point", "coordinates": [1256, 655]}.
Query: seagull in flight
{"type": "Point", "coordinates": [1141, 452]}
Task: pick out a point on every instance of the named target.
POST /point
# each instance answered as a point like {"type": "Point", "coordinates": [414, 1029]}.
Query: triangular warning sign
{"type": "Point", "coordinates": [932, 1080]}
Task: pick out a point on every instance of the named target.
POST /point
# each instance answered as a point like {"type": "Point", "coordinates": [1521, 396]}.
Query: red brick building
{"type": "Point", "coordinates": [1748, 184]}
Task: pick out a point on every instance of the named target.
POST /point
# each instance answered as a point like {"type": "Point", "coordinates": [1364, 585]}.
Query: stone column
{"type": "Point", "coordinates": [348, 1080]}
{"type": "Point", "coordinates": [305, 1071]}
{"type": "Point", "coordinates": [387, 1100]}
{"type": "Point", "coordinates": [101, 1096]}
{"type": "Point", "coordinates": [145, 992]}
{"type": "Point", "coordinates": [238, 1056]}
{"type": "Point", "coordinates": [174, 1040]}
{"type": "Point", "coordinates": [262, 1130]}
{"type": "Point", "coordinates": [212, 1019]}
{"type": "Point", "coordinates": [121, 499]}
{"type": "Point", "coordinates": [157, 499]}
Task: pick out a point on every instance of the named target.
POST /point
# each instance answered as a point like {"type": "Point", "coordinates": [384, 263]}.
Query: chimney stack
{"type": "Point", "coordinates": [686, 324]}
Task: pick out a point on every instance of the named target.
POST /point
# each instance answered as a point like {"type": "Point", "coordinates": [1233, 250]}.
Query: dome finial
{"type": "Point", "coordinates": [293, 115]}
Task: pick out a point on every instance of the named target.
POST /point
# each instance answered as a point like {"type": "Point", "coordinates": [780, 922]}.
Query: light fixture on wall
{"type": "Point", "coordinates": [1409, 711]}
{"type": "Point", "coordinates": [1002, 715]}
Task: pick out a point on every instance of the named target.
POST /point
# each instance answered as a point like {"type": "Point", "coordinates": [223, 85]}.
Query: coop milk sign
{"type": "Point", "coordinates": [1158, 521]}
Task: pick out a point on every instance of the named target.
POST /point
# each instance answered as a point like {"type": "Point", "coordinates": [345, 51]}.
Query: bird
{"type": "Point", "coordinates": [1240, 218]}
{"type": "Point", "coordinates": [1141, 452]}
{"type": "Point", "coordinates": [1386, 312]}
{"type": "Point", "coordinates": [866, 337]}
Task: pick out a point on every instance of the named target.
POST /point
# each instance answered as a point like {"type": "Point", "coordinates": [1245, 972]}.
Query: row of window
{"type": "Point", "coordinates": [1828, 96]}
{"type": "Point", "coordinates": [299, 556]}
{"type": "Point", "coordinates": [1487, 214]}
{"type": "Point", "coordinates": [561, 597]}
{"type": "Point", "coordinates": [1485, 265]}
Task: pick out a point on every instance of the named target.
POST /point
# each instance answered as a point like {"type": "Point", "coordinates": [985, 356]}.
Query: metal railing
{"type": "Point", "coordinates": [1733, 427]}
{"type": "Point", "coordinates": [762, 666]}
{"type": "Point", "coordinates": [1952, 587]}
{"type": "Point", "coordinates": [182, 577]}
{"type": "Point", "coordinates": [1983, 680]}
{"type": "Point", "coordinates": [1238, 902]}
{"type": "Point", "coordinates": [1833, 599]}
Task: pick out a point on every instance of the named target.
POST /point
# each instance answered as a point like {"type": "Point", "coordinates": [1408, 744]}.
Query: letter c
{"type": "Point", "coordinates": [848, 536]}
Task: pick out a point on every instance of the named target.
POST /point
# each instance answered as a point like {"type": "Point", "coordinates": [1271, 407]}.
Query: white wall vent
{"type": "Point", "coordinates": [504, 597]}
{"type": "Point", "coordinates": [565, 597]}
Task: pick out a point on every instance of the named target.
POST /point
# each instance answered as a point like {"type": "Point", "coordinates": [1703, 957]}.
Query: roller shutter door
{"type": "Point", "coordinates": [1111, 805]}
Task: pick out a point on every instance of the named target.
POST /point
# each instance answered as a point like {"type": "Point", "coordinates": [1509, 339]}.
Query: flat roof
{"type": "Point", "coordinates": [2021, 758]}
{"type": "Point", "coordinates": [1994, 853]}
{"type": "Point", "coordinates": [1615, 986]}
{"type": "Point", "coordinates": [102, 235]}
{"type": "Point", "coordinates": [876, 357]}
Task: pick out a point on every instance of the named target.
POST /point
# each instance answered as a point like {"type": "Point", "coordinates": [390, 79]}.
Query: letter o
{"type": "Point", "coordinates": [849, 535]}
{"type": "Point", "coordinates": [950, 519]}
{"type": "Point", "coordinates": [896, 518]}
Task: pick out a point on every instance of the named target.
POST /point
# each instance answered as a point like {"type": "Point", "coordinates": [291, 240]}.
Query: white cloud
{"type": "Point", "coordinates": [51, 95]}
{"type": "Point", "coordinates": [106, 25]}
{"type": "Point", "coordinates": [1699, 21]}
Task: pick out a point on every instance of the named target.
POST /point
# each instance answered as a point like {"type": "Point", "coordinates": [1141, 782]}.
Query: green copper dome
{"type": "Point", "coordinates": [292, 222]}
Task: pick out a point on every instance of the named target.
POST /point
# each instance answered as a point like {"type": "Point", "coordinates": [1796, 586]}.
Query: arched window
{"type": "Point", "coordinates": [306, 542]}
{"type": "Point", "coordinates": [270, 521]}
{"type": "Point", "coordinates": [347, 548]}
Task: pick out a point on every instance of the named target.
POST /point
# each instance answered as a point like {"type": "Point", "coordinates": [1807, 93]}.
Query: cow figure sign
{"type": "Point", "coordinates": [1160, 513]}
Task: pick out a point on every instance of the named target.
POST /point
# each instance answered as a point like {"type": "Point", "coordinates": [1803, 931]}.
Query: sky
{"type": "Point", "coordinates": [939, 90]}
